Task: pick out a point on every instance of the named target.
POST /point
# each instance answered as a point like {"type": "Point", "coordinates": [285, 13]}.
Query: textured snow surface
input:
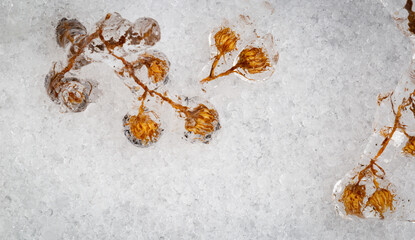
{"type": "Point", "coordinates": [267, 174]}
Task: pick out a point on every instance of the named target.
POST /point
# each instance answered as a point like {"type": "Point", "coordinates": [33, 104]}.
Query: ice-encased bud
{"type": "Point", "coordinates": [367, 198]}
{"type": "Point", "coordinates": [73, 33]}
{"type": "Point", "coordinates": [157, 66]}
{"type": "Point", "coordinates": [257, 61]}
{"type": "Point", "coordinates": [115, 29]}
{"type": "Point", "coordinates": [225, 40]}
{"type": "Point", "coordinates": [352, 199]}
{"type": "Point", "coordinates": [69, 31]}
{"type": "Point", "coordinates": [74, 94]}
{"type": "Point", "coordinates": [145, 31]}
{"type": "Point", "coordinates": [381, 201]}
{"type": "Point", "coordinates": [409, 148]}
{"type": "Point", "coordinates": [201, 123]}
{"type": "Point", "coordinates": [142, 129]}
{"type": "Point", "coordinates": [70, 92]}
{"type": "Point", "coordinates": [253, 60]}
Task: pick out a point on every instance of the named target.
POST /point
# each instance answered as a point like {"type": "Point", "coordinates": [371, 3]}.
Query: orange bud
{"type": "Point", "coordinates": [352, 199]}
{"type": "Point", "coordinates": [202, 122]}
{"type": "Point", "coordinates": [410, 147]}
{"type": "Point", "coordinates": [157, 68]}
{"type": "Point", "coordinates": [381, 200]}
{"type": "Point", "coordinates": [225, 40]}
{"type": "Point", "coordinates": [253, 60]}
{"type": "Point", "coordinates": [141, 129]}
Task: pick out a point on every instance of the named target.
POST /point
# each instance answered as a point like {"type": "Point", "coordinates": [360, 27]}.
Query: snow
{"type": "Point", "coordinates": [269, 171]}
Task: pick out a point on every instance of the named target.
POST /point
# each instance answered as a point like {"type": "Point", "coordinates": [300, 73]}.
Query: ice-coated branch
{"type": "Point", "coordinates": [114, 39]}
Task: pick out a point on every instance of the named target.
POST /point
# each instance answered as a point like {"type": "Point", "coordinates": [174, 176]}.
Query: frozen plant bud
{"type": "Point", "coordinates": [142, 129]}
{"type": "Point", "coordinates": [73, 94]}
{"type": "Point", "coordinates": [69, 31]}
{"type": "Point", "coordinates": [201, 123]}
{"type": "Point", "coordinates": [409, 148]}
{"type": "Point", "coordinates": [225, 40]}
{"type": "Point", "coordinates": [157, 65]}
{"type": "Point", "coordinates": [147, 30]}
{"type": "Point", "coordinates": [253, 60]}
{"type": "Point", "coordinates": [114, 30]}
{"type": "Point", "coordinates": [352, 199]}
{"type": "Point", "coordinates": [381, 200]}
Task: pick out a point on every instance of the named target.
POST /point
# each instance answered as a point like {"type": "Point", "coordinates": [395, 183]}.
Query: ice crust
{"type": "Point", "coordinates": [269, 172]}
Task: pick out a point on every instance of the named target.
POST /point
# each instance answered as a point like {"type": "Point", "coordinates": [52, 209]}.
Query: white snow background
{"type": "Point", "coordinates": [267, 174]}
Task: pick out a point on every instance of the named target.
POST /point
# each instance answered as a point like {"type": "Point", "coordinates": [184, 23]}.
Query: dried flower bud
{"type": "Point", "coordinates": [69, 31]}
{"type": "Point", "coordinates": [225, 40]}
{"type": "Point", "coordinates": [381, 200]}
{"type": "Point", "coordinates": [145, 31]}
{"type": "Point", "coordinates": [72, 93]}
{"type": "Point", "coordinates": [114, 29]}
{"type": "Point", "coordinates": [253, 60]}
{"type": "Point", "coordinates": [202, 122]}
{"type": "Point", "coordinates": [157, 66]}
{"type": "Point", "coordinates": [143, 129]}
{"type": "Point", "coordinates": [352, 199]}
{"type": "Point", "coordinates": [410, 147]}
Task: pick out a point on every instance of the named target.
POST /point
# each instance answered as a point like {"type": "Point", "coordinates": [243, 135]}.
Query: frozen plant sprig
{"type": "Point", "coordinates": [355, 195]}
{"type": "Point", "coordinates": [382, 199]}
{"type": "Point", "coordinates": [112, 36]}
{"type": "Point", "coordinates": [251, 60]}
